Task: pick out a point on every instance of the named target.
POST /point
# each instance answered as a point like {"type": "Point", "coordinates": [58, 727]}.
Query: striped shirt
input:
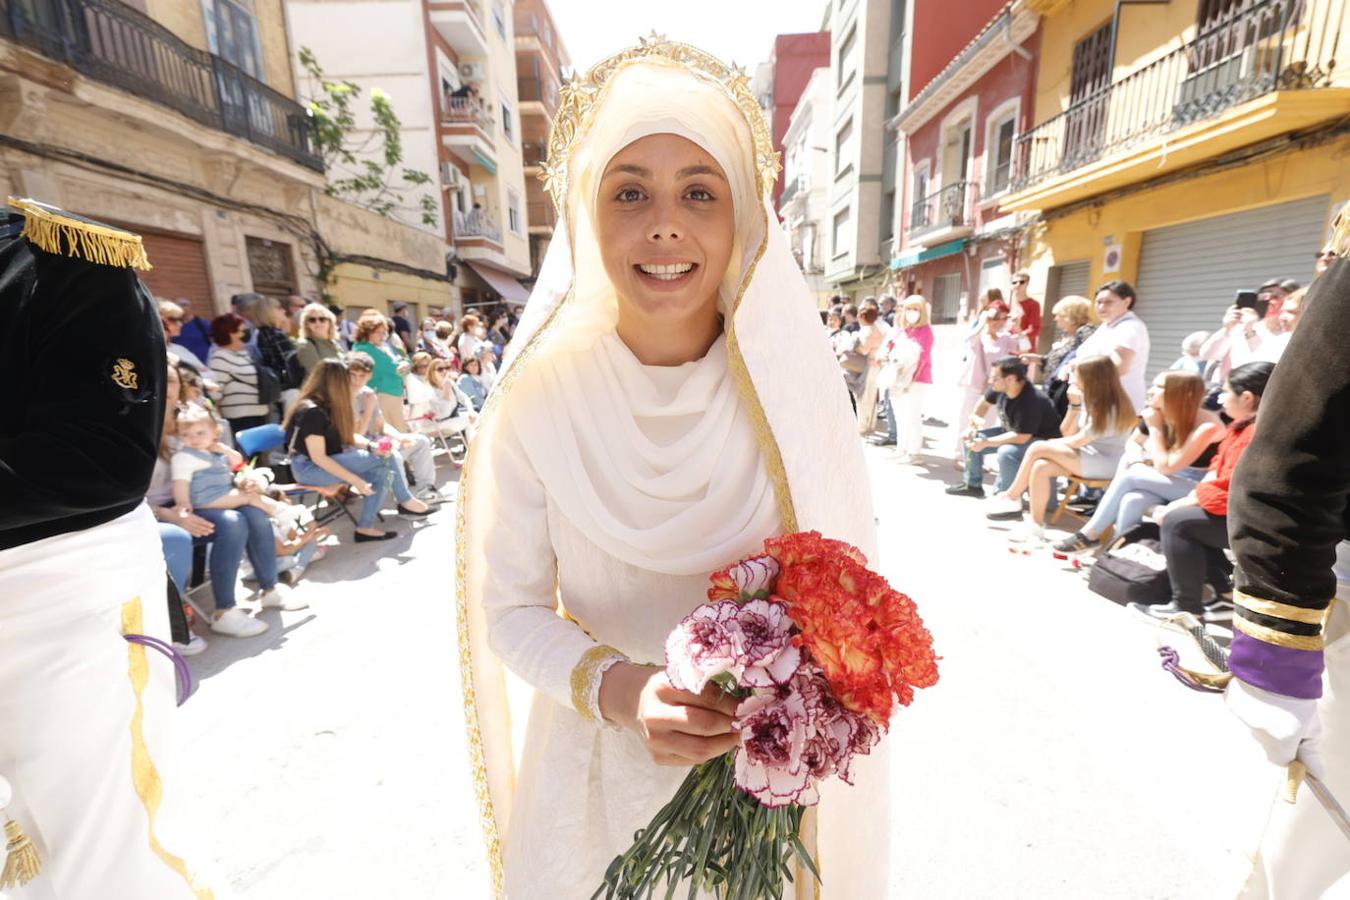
{"type": "Point", "coordinates": [234, 371]}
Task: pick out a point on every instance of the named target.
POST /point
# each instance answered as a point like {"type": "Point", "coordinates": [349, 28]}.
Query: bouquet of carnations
{"type": "Point", "coordinates": [818, 649]}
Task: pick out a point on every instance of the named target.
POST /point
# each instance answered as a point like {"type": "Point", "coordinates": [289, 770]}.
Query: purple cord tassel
{"type": "Point", "coordinates": [1171, 661]}
{"type": "Point", "coordinates": [185, 683]}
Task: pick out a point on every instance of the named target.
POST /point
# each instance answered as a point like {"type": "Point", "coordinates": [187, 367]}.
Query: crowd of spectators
{"type": "Point", "coordinates": [1078, 426]}
{"type": "Point", "coordinates": [364, 407]}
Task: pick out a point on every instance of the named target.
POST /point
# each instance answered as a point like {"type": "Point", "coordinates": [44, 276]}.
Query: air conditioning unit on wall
{"type": "Point", "coordinates": [450, 175]}
{"type": "Point", "coordinates": [472, 71]}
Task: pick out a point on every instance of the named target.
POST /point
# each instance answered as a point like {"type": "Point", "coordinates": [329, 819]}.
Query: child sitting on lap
{"type": "Point", "coordinates": [202, 467]}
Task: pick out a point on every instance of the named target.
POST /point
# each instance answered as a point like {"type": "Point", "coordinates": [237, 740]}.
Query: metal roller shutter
{"type": "Point", "coordinates": [179, 269]}
{"type": "Point", "coordinates": [1188, 273]}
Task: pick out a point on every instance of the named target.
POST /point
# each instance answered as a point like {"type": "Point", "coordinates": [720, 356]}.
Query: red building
{"type": "Point", "coordinates": [795, 57]}
{"type": "Point", "coordinates": [972, 81]}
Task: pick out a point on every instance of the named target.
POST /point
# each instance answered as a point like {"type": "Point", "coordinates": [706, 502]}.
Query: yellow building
{"type": "Point", "coordinates": [181, 121]}
{"type": "Point", "coordinates": [1191, 147]}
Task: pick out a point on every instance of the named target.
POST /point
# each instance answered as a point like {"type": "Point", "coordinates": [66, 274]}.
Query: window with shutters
{"type": "Point", "coordinates": [1088, 97]}
{"type": "Point", "coordinates": [270, 266]}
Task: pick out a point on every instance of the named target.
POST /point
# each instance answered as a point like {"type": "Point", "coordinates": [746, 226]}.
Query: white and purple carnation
{"type": "Point", "coordinates": [761, 644]}
{"type": "Point", "coordinates": [755, 577]}
{"type": "Point", "coordinates": [769, 763]}
{"type": "Point", "coordinates": [700, 647]}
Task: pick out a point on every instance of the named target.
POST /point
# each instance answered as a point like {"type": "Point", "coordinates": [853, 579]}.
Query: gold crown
{"type": "Point", "coordinates": [579, 96]}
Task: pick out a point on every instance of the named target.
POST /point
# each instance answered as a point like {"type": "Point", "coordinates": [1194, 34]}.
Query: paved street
{"type": "Point", "coordinates": [326, 758]}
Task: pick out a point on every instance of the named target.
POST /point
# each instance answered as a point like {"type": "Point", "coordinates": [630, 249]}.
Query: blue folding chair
{"type": "Point", "coordinates": [255, 442]}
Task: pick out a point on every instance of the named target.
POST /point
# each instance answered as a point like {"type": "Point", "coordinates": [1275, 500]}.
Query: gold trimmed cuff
{"type": "Point", "coordinates": [586, 678]}
{"type": "Point", "coordinates": [1280, 610]}
{"type": "Point", "coordinates": [1278, 638]}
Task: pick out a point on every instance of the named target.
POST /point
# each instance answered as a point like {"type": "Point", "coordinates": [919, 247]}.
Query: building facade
{"type": "Point", "coordinates": [450, 71]}
{"type": "Point", "coordinates": [866, 58]}
{"type": "Point", "coordinates": [959, 128]}
{"type": "Point", "coordinates": [541, 65]}
{"type": "Point", "coordinates": [803, 205]}
{"type": "Point", "coordinates": [1195, 149]}
{"type": "Point", "coordinates": [782, 79]}
{"type": "Point", "coordinates": [182, 123]}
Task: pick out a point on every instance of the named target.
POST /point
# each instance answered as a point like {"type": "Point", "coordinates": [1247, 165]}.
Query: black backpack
{"type": "Point", "coordinates": [294, 376]}
{"type": "Point", "coordinates": [1133, 569]}
{"type": "Point", "coordinates": [269, 385]}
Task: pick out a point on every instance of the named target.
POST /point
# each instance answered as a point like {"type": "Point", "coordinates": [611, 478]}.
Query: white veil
{"type": "Point", "coordinates": [778, 354]}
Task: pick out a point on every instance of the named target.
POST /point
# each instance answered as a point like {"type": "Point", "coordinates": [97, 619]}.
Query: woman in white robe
{"type": "Point", "coordinates": [668, 402]}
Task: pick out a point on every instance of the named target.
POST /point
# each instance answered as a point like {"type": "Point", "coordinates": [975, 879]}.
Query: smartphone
{"type": "Point", "coordinates": [1251, 300]}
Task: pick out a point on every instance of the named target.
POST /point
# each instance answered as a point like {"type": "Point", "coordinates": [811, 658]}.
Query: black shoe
{"type": "Point", "coordinates": [1075, 543]}
{"type": "Point", "coordinates": [1218, 612]}
{"type": "Point", "coordinates": [363, 538]}
{"type": "Point", "coordinates": [1159, 612]}
{"type": "Point", "coordinates": [404, 511]}
{"type": "Point", "coordinates": [965, 490]}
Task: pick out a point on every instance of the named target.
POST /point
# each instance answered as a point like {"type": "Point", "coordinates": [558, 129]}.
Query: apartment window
{"type": "Point", "coordinates": [920, 215]}
{"type": "Point", "coordinates": [513, 217]}
{"type": "Point", "coordinates": [845, 72]}
{"type": "Point", "coordinates": [232, 34]}
{"type": "Point", "coordinates": [888, 216]}
{"type": "Point", "coordinates": [508, 123]}
{"type": "Point", "coordinates": [840, 235]}
{"type": "Point", "coordinates": [1091, 65]}
{"type": "Point", "coordinates": [499, 19]}
{"type": "Point", "coordinates": [843, 148]}
{"type": "Point", "coordinates": [999, 149]}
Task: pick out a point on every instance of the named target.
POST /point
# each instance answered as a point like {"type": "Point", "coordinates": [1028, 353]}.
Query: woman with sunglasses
{"type": "Point", "coordinates": [318, 336]}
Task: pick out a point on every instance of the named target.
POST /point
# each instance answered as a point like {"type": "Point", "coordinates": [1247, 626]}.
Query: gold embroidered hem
{"type": "Point", "coordinates": [1278, 610]}
{"type": "Point", "coordinates": [586, 678]}
{"type": "Point", "coordinates": [1278, 638]}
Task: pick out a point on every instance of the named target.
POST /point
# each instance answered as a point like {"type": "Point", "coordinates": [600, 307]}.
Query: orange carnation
{"type": "Point", "coordinates": [865, 635]}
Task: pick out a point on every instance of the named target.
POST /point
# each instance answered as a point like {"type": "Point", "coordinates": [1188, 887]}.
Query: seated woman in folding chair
{"type": "Point", "coordinates": [370, 421]}
{"type": "Point", "coordinates": [325, 448]}
{"type": "Point", "coordinates": [441, 409]}
{"type": "Point", "coordinates": [1100, 419]}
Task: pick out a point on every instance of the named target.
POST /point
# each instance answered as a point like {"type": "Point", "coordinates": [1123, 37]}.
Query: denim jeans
{"type": "Point", "coordinates": [177, 544]}
{"type": "Point", "coordinates": [239, 531]}
{"type": "Point", "coordinates": [1009, 458]}
{"type": "Point", "coordinates": [890, 415]}
{"type": "Point", "coordinates": [382, 472]}
{"type": "Point", "coordinates": [1134, 489]}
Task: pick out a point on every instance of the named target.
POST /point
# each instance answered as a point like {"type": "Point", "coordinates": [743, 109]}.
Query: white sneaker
{"type": "Point", "coordinates": [196, 645]}
{"type": "Point", "coordinates": [1028, 533]}
{"type": "Point", "coordinates": [1000, 505]}
{"type": "Point", "coordinates": [237, 623]}
{"type": "Point", "coordinates": [281, 597]}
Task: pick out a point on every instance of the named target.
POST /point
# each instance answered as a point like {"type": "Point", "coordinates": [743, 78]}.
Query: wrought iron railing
{"type": "Point", "coordinates": [467, 109]}
{"type": "Point", "coordinates": [1253, 48]}
{"type": "Point", "coordinates": [116, 44]}
{"type": "Point", "coordinates": [948, 208]}
{"type": "Point", "coordinates": [542, 214]}
{"type": "Point", "coordinates": [790, 190]}
{"type": "Point", "coordinates": [477, 224]}
{"type": "Point", "coordinates": [534, 153]}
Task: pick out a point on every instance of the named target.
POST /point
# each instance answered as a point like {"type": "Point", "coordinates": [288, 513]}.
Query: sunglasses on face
{"type": "Point", "coordinates": [1326, 254]}
{"type": "Point", "coordinates": [1019, 281]}
{"type": "Point", "coordinates": [175, 320]}
{"type": "Point", "coordinates": [316, 319]}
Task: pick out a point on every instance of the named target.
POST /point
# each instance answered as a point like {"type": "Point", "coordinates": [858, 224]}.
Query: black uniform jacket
{"type": "Point", "coordinates": [82, 361]}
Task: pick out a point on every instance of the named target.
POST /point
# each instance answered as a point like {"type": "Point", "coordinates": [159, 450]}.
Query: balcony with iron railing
{"type": "Point", "coordinates": [118, 45]}
{"type": "Point", "coordinates": [942, 216]}
{"type": "Point", "coordinates": [468, 130]}
{"type": "Point", "coordinates": [533, 153]}
{"type": "Point", "coordinates": [537, 90]}
{"type": "Point", "coordinates": [542, 215]}
{"type": "Point", "coordinates": [1261, 69]}
{"type": "Point", "coordinates": [477, 228]}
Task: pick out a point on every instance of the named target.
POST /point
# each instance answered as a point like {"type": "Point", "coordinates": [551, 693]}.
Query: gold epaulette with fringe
{"type": "Point", "coordinates": [61, 233]}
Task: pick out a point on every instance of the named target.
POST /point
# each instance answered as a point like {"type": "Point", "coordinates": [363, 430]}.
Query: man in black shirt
{"type": "Point", "coordinates": [403, 328]}
{"type": "Point", "coordinates": [1025, 415]}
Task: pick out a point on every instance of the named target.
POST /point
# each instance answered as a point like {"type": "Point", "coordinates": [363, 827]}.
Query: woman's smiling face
{"type": "Point", "coordinates": [666, 225]}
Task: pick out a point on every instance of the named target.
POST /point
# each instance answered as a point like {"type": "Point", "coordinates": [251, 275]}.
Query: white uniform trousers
{"type": "Point", "coordinates": [84, 714]}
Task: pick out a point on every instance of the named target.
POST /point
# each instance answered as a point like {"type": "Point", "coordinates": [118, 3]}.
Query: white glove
{"type": "Point", "coordinates": [1286, 727]}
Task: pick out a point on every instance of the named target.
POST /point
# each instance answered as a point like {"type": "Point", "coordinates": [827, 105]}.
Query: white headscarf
{"type": "Point", "coordinates": [777, 356]}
